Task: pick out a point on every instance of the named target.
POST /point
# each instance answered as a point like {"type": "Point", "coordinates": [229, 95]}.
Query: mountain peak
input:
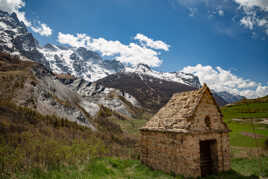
{"type": "Point", "coordinates": [88, 54]}
{"type": "Point", "coordinates": [141, 67]}
{"type": "Point", "coordinates": [50, 47]}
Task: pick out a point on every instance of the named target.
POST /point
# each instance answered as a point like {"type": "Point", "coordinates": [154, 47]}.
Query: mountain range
{"type": "Point", "coordinates": [85, 64]}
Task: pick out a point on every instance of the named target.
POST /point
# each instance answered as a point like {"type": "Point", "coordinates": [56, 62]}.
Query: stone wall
{"type": "Point", "coordinates": [207, 108]}
{"type": "Point", "coordinates": [180, 153]}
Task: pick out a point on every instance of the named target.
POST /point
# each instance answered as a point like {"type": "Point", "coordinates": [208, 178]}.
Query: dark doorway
{"type": "Point", "coordinates": [208, 157]}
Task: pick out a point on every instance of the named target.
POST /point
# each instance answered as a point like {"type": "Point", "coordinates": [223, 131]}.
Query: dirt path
{"type": "Point", "coordinates": [256, 120]}
{"type": "Point", "coordinates": [249, 134]}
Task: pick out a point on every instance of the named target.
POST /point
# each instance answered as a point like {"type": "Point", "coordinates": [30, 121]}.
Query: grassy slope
{"type": "Point", "coordinates": [30, 140]}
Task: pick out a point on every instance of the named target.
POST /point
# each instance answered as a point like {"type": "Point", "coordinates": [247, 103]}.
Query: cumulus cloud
{"type": "Point", "coordinates": [223, 80]}
{"type": "Point", "coordinates": [43, 30]}
{"type": "Point", "coordinates": [151, 43]}
{"type": "Point", "coordinates": [145, 51]}
{"type": "Point", "coordinates": [15, 6]}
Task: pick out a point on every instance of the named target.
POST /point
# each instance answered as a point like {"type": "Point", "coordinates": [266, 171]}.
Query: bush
{"type": "Point", "coordinates": [266, 143]}
{"type": "Point", "coordinates": [29, 140]}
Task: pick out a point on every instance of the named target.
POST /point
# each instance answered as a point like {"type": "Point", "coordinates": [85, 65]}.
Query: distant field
{"type": "Point", "coordinates": [254, 110]}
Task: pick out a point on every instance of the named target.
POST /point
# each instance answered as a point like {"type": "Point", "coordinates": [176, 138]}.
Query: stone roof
{"type": "Point", "coordinates": [175, 115]}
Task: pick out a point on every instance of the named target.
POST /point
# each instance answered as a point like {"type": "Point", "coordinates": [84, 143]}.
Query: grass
{"type": "Point", "coordinates": [114, 168]}
{"type": "Point", "coordinates": [100, 168]}
{"type": "Point", "coordinates": [253, 110]}
{"type": "Point", "coordinates": [251, 166]}
{"type": "Point", "coordinates": [237, 139]}
{"type": "Point", "coordinates": [29, 140]}
{"type": "Point", "coordinates": [131, 126]}
{"type": "Point", "coordinates": [244, 111]}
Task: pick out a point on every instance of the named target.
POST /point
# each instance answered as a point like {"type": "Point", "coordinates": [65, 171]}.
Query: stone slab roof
{"type": "Point", "coordinates": [175, 114]}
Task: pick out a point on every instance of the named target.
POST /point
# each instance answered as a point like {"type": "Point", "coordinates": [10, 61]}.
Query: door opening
{"type": "Point", "coordinates": [208, 157]}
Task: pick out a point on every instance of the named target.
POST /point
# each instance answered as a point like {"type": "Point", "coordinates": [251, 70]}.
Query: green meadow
{"type": "Point", "coordinates": [115, 168]}
{"type": "Point", "coordinates": [249, 151]}
{"type": "Point", "coordinates": [243, 131]}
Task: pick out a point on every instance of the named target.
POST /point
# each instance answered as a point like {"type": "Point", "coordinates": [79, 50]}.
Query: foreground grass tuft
{"type": "Point", "coordinates": [115, 168]}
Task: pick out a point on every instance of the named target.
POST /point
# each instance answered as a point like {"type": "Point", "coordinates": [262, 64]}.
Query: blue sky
{"type": "Point", "coordinates": [229, 34]}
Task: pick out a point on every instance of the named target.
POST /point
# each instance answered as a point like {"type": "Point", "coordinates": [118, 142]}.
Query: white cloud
{"type": "Point", "coordinates": [15, 6]}
{"type": "Point", "coordinates": [43, 30]}
{"type": "Point", "coordinates": [248, 22]}
{"type": "Point", "coordinates": [223, 80]}
{"type": "Point", "coordinates": [262, 90]}
{"type": "Point", "coordinates": [11, 5]}
{"type": "Point", "coordinates": [251, 8]}
{"type": "Point", "coordinates": [262, 22]}
{"type": "Point", "coordinates": [221, 12]}
{"type": "Point", "coordinates": [71, 40]}
{"type": "Point", "coordinates": [159, 45]}
{"type": "Point", "coordinates": [262, 4]}
{"type": "Point", "coordinates": [146, 52]}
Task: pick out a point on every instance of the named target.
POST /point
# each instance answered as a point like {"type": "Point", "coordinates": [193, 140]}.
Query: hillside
{"type": "Point", "coordinates": [42, 91]}
{"type": "Point", "coordinates": [153, 93]}
{"type": "Point", "coordinates": [49, 141]}
{"type": "Point", "coordinates": [257, 100]}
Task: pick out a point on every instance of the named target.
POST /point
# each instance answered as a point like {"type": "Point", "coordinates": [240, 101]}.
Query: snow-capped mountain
{"type": "Point", "coordinates": [15, 39]}
{"type": "Point", "coordinates": [180, 77]}
{"type": "Point", "coordinates": [228, 97]}
{"type": "Point", "coordinates": [79, 62]}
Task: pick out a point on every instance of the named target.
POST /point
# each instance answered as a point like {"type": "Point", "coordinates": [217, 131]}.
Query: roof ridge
{"type": "Point", "coordinates": [202, 92]}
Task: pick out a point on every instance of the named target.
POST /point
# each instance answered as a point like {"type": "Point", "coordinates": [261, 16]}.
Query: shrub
{"type": "Point", "coordinates": [29, 140]}
{"type": "Point", "coordinates": [266, 143]}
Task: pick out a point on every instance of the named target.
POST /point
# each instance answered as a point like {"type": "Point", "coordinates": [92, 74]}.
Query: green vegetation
{"type": "Point", "coordinates": [114, 168]}
{"type": "Point", "coordinates": [30, 141]}
{"type": "Point", "coordinates": [249, 111]}
{"type": "Point", "coordinates": [251, 166]}
{"type": "Point", "coordinates": [131, 126]}
{"type": "Point", "coordinates": [37, 146]}
{"type": "Point", "coordinates": [252, 110]}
